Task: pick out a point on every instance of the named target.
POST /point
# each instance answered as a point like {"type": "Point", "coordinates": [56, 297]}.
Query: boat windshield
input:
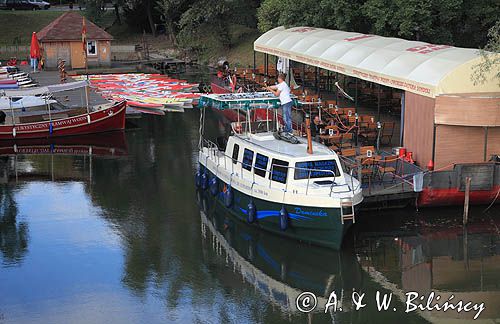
{"type": "Point", "coordinates": [316, 169]}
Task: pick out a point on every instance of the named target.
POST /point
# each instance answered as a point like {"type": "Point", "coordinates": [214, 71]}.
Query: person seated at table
{"type": "Point", "coordinates": [316, 127]}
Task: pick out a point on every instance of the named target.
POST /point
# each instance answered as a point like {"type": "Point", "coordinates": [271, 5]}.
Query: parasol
{"type": "Point", "coordinates": [34, 51]}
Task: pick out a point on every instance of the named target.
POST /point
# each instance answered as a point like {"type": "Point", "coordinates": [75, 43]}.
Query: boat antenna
{"type": "Point", "coordinates": [308, 132]}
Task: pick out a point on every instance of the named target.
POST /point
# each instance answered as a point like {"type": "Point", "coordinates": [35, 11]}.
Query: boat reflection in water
{"type": "Point", "coordinates": [103, 144]}
{"type": "Point", "coordinates": [33, 159]}
{"type": "Point", "coordinates": [281, 269]}
{"type": "Point", "coordinates": [56, 159]}
{"type": "Point", "coordinates": [438, 254]}
{"type": "Point", "coordinates": [278, 268]}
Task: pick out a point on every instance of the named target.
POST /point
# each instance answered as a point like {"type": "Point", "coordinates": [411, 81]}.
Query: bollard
{"type": "Point", "coordinates": [466, 201]}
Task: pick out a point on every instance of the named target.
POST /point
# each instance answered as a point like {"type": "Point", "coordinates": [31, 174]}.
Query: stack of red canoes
{"type": "Point", "coordinates": [152, 93]}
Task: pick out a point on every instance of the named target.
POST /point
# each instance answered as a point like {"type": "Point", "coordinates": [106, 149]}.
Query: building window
{"type": "Point", "coordinates": [91, 47]}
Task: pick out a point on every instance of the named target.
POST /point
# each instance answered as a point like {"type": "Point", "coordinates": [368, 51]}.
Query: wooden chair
{"type": "Point", "coordinates": [369, 133]}
{"type": "Point", "coordinates": [348, 161]}
{"type": "Point", "coordinates": [387, 132]}
{"type": "Point", "coordinates": [335, 128]}
{"type": "Point", "coordinates": [351, 152]}
{"type": "Point", "coordinates": [333, 142]}
{"type": "Point", "coordinates": [364, 149]}
{"type": "Point", "coordinates": [368, 166]}
{"type": "Point", "coordinates": [388, 165]}
{"type": "Point", "coordinates": [346, 141]}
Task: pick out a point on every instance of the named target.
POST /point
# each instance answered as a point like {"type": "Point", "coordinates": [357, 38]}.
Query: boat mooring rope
{"type": "Point", "coordinates": [493, 202]}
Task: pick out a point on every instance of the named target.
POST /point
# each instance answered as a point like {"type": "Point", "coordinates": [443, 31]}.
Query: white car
{"type": "Point", "coordinates": [41, 4]}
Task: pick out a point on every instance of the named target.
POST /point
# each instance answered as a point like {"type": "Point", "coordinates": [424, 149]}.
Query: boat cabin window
{"type": "Point", "coordinates": [279, 170]}
{"type": "Point", "coordinates": [260, 166]}
{"type": "Point", "coordinates": [247, 159]}
{"type": "Point", "coordinates": [236, 152]}
{"type": "Point", "coordinates": [315, 168]}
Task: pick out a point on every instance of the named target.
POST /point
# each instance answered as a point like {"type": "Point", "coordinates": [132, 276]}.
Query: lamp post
{"type": "Point", "coordinates": [379, 128]}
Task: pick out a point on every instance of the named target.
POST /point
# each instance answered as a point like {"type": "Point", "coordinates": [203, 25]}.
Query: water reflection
{"type": "Point", "coordinates": [115, 237]}
{"type": "Point", "coordinates": [435, 252]}
{"type": "Point", "coordinates": [57, 159]}
{"type": "Point", "coordinates": [280, 269]}
{"type": "Point", "coordinates": [13, 233]}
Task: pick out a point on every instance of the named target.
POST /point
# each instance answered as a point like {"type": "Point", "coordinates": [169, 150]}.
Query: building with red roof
{"type": "Point", "coordinates": [62, 39]}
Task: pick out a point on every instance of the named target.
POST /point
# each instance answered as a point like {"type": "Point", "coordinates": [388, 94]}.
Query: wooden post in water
{"type": "Point", "coordinates": [309, 137]}
{"type": "Point", "coordinates": [466, 202]}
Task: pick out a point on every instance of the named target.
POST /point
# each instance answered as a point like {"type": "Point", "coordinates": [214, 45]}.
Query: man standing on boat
{"type": "Point", "coordinates": [283, 91]}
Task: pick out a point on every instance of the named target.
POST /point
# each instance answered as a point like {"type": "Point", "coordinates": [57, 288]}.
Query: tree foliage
{"type": "Point", "coordinates": [490, 58]}
{"type": "Point", "coordinates": [454, 22]}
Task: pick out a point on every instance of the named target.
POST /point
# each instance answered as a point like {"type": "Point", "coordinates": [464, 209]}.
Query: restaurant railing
{"type": "Point", "coordinates": [405, 173]}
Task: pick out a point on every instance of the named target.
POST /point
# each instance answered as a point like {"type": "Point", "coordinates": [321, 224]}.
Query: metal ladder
{"type": "Point", "coordinates": [346, 210]}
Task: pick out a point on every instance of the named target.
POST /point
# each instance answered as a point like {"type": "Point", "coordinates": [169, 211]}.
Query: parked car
{"type": "Point", "coordinates": [41, 4]}
{"type": "Point", "coordinates": [22, 5]}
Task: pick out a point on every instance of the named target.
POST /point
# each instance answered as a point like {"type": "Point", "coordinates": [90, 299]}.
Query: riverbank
{"type": "Point", "coordinates": [19, 25]}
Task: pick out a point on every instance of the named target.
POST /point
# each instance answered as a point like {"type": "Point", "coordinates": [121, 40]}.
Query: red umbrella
{"type": "Point", "coordinates": [35, 47]}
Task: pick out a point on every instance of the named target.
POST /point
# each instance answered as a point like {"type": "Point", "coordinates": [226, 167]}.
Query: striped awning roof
{"type": "Point", "coordinates": [418, 67]}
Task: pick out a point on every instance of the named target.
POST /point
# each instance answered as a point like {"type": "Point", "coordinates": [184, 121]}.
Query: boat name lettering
{"type": "Point", "coordinates": [45, 125]}
{"type": "Point", "coordinates": [319, 213]}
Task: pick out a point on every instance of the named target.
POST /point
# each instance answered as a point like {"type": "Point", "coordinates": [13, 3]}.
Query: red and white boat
{"type": "Point", "coordinates": [102, 120]}
{"type": "Point", "coordinates": [73, 122]}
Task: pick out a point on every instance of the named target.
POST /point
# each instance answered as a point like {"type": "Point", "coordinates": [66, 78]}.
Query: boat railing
{"type": "Point", "coordinates": [217, 155]}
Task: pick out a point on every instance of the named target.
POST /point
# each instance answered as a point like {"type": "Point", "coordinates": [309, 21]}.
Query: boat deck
{"type": "Point", "coordinates": [268, 142]}
{"type": "Point", "coordinates": [71, 99]}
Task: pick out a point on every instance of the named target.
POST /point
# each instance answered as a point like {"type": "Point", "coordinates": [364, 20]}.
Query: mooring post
{"type": "Point", "coordinates": [466, 202]}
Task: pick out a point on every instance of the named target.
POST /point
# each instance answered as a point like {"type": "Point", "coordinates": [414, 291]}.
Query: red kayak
{"type": "Point", "coordinates": [8, 81]}
{"type": "Point", "coordinates": [112, 118]}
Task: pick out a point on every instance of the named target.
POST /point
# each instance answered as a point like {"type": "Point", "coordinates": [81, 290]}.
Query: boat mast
{"type": "Point", "coordinates": [13, 117]}
{"type": "Point", "coordinates": [50, 115]}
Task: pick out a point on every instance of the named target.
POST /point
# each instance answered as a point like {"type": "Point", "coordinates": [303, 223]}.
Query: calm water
{"type": "Point", "coordinates": [119, 238]}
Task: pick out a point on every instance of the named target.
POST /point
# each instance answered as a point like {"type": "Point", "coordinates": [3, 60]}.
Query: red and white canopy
{"type": "Point", "coordinates": [418, 67]}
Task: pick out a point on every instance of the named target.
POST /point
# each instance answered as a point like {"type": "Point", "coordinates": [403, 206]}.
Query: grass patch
{"type": "Point", "coordinates": [17, 26]}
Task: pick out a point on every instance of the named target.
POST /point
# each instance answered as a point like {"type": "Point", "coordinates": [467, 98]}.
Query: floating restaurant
{"type": "Point", "coordinates": [447, 123]}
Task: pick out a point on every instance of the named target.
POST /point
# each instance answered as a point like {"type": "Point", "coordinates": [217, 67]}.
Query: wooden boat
{"type": "Point", "coordinates": [24, 102]}
{"type": "Point", "coordinates": [102, 120]}
{"type": "Point", "coordinates": [65, 122]}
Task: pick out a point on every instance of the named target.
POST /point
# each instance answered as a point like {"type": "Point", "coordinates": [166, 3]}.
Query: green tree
{"type": "Point", "coordinates": [204, 27]}
{"type": "Point", "coordinates": [490, 58]}
{"type": "Point", "coordinates": [170, 15]}
{"type": "Point", "coordinates": [268, 15]}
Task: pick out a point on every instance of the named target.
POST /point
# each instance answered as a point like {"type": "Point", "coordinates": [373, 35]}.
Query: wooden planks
{"type": "Point", "coordinates": [468, 110]}
{"type": "Point", "coordinates": [458, 144]}
{"type": "Point", "coordinates": [419, 126]}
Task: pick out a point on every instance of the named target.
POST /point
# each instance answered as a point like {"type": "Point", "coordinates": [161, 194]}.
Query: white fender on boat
{"type": "Point", "coordinates": [14, 132]}
{"type": "Point", "coordinates": [88, 119]}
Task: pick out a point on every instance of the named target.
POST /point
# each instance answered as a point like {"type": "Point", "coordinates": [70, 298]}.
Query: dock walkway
{"type": "Point", "coordinates": [390, 190]}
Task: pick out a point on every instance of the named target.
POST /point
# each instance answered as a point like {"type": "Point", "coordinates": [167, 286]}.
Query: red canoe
{"type": "Point", "coordinates": [112, 118]}
{"type": "Point", "coordinates": [8, 81]}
